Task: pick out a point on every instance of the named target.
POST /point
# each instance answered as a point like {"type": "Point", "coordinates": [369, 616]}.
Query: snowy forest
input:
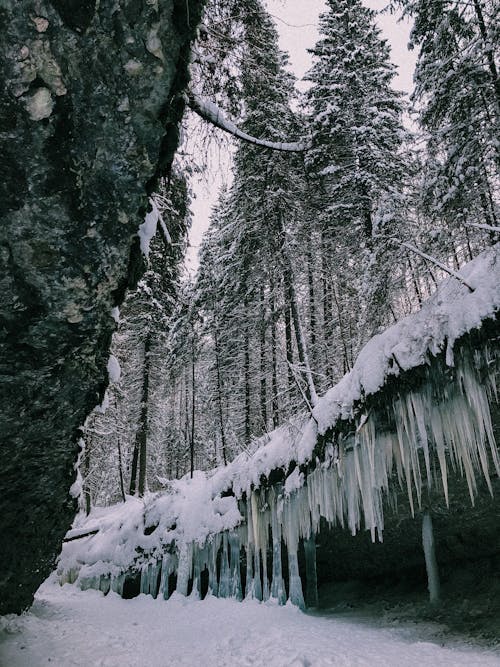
{"type": "Point", "coordinates": [311, 250]}
{"type": "Point", "coordinates": [276, 445]}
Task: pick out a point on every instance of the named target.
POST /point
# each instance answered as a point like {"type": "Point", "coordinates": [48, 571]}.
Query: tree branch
{"type": "Point", "coordinates": [212, 114]}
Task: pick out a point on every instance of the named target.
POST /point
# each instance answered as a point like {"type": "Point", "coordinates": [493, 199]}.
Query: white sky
{"type": "Point", "coordinates": [296, 21]}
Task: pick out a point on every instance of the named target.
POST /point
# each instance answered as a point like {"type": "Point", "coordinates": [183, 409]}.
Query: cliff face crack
{"type": "Point", "coordinates": [76, 14]}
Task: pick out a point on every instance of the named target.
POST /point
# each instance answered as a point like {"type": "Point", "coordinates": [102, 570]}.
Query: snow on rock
{"type": "Point", "coordinates": [114, 370]}
{"type": "Point", "coordinates": [452, 311]}
{"type": "Point", "coordinates": [192, 509]}
{"type": "Point", "coordinates": [67, 626]}
{"type": "Point", "coordinates": [147, 229]}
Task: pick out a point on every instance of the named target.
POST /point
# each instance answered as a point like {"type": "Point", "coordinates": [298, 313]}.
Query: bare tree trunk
{"type": "Point", "coordinates": [246, 365]}
{"type": "Point", "coordinates": [288, 344]}
{"type": "Point", "coordinates": [193, 410]}
{"type": "Point", "coordinates": [347, 364]}
{"type": "Point", "coordinates": [489, 53]}
{"type": "Point", "coordinates": [263, 365]}
{"type": "Point", "coordinates": [142, 432]}
{"type": "Point", "coordinates": [312, 302]}
{"type": "Point", "coordinates": [120, 469]}
{"type": "Point", "coordinates": [326, 310]}
{"type": "Point", "coordinates": [133, 468]}
{"type": "Point", "coordinates": [219, 396]}
{"type": "Point", "coordinates": [274, 362]}
{"type": "Point", "coordinates": [299, 334]}
{"type": "Point", "coordinates": [86, 468]}
{"type": "Point", "coordinates": [414, 279]}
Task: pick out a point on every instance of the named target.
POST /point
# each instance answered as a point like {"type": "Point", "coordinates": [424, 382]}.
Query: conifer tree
{"type": "Point", "coordinates": [457, 98]}
{"type": "Point", "coordinates": [355, 163]}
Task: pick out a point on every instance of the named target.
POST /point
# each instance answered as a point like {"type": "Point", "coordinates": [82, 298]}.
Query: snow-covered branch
{"type": "Point", "coordinates": [488, 228]}
{"type": "Point", "coordinates": [435, 261]}
{"type": "Point", "coordinates": [211, 113]}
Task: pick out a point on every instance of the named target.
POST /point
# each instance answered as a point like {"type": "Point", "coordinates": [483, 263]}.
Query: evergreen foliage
{"type": "Point", "coordinates": [308, 254]}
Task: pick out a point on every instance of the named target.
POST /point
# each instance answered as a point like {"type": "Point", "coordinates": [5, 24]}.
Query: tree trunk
{"type": "Point", "coordinates": [246, 367]}
{"type": "Point", "coordinates": [87, 494]}
{"type": "Point", "coordinates": [133, 468]}
{"type": "Point", "coordinates": [193, 409]}
{"type": "Point", "coordinates": [263, 364]}
{"type": "Point", "coordinates": [142, 432]}
{"type": "Point", "coordinates": [312, 302]}
{"type": "Point", "coordinates": [120, 470]}
{"type": "Point", "coordinates": [219, 396]}
{"type": "Point", "coordinates": [274, 370]}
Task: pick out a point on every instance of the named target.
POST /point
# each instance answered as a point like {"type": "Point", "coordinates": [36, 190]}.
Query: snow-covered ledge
{"type": "Point", "coordinates": [339, 465]}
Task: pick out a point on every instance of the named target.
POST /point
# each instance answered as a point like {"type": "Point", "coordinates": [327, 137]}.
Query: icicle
{"type": "Point", "coordinates": [225, 573]}
{"type": "Point", "coordinates": [266, 591]}
{"type": "Point", "coordinates": [250, 550]}
{"type": "Point", "coordinates": [154, 576]}
{"type": "Point", "coordinates": [89, 583]}
{"type": "Point", "coordinates": [295, 584]}
{"type": "Point", "coordinates": [418, 403]}
{"type": "Point", "coordinates": [197, 560]}
{"type": "Point", "coordinates": [166, 570]}
{"type": "Point", "coordinates": [260, 523]}
{"type": "Point", "coordinates": [184, 568]}
{"type": "Point", "coordinates": [145, 576]}
{"type": "Point", "coordinates": [438, 436]}
{"type": "Point", "coordinates": [399, 414]}
{"type": "Point", "coordinates": [117, 582]}
{"type": "Point", "coordinates": [234, 544]}
{"type": "Point", "coordinates": [277, 584]}
{"type": "Point", "coordinates": [430, 558]}
{"type": "Point", "coordinates": [213, 550]}
{"type": "Point", "coordinates": [104, 584]}
{"type": "Point", "coordinates": [311, 575]}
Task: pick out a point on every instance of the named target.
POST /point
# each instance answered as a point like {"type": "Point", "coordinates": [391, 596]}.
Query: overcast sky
{"type": "Point", "coordinates": [297, 21]}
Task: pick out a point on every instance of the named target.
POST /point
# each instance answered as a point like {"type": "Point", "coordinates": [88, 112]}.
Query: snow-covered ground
{"type": "Point", "coordinates": [67, 627]}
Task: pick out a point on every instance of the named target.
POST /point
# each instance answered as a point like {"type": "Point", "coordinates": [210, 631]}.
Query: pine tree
{"type": "Point", "coordinates": [355, 164]}
{"type": "Point", "coordinates": [457, 97]}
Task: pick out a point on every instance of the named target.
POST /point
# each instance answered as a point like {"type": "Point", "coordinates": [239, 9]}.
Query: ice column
{"type": "Point", "coordinates": [184, 568]}
{"type": "Point", "coordinates": [291, 533]}
{"type": "Point", "coordinates": [277, 583]}
{"type": "Point", "coordinates": [117, 582]}
{"type": "Point", "coordinates": [198, 556]}
{"type": "Point", "coordinates": [234, 543]}
{"type": "Point", "coordinates": [295, 584]}
{"type": "Point", "coordinates": [224, 581]}
{"type": "Point", "coordinates": [430, 558]}
{"type": "Point", "coordinates": [213, 549]}
{"type": "Point", "coordinates": [311, 575]}
{"type": "Point", "coordinates": [166, 571]}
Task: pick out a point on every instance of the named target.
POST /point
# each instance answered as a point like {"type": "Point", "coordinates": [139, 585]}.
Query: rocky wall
{"type": "Point", "coordinates": [91, 95]}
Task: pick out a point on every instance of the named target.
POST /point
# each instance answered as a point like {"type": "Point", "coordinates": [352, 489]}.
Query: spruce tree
{"type": "Point", "coordinates": [355, 163]}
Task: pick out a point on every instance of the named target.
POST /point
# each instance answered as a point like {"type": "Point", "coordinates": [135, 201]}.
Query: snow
{"type": "Point", "coordinates": [348, 489]}
{"type": "Point", "coordinates": [147, 229]}
{"type": "Point", "coordinates": [114, 370]}
{"type": "Point", "coordinates": [449, 313]}
{"type": "Point", "coordinates": [67, 627]}
{"type": "Point", "coordinates": [213, 114]}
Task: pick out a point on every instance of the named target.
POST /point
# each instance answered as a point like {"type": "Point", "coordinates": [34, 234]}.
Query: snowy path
{"type": "Point", "coordinates": [69, 627]}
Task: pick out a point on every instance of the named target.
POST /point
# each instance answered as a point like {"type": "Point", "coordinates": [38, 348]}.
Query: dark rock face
{"type": "Point", "coordinates": [91, 94]}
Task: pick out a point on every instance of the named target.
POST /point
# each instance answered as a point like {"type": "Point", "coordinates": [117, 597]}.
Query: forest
{"type": "Point", "coordinates": [276, 446]}
{"type": "Point", "coordinates": [310, 251]}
